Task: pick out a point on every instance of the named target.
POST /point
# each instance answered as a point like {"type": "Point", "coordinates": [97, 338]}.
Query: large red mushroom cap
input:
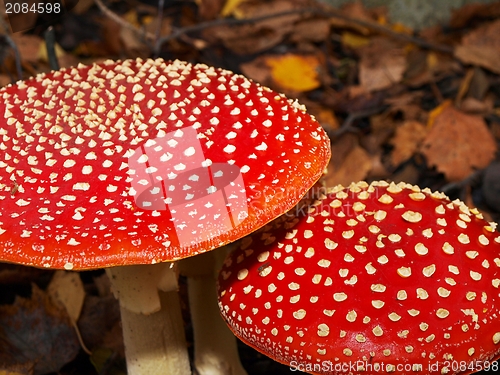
{"type": "Point", "coordinates": [375, 278]}
{"type": "Point", "coordinates": [139, 162]}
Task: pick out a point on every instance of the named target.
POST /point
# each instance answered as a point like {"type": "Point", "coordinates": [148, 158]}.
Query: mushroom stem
{"type": "Point", "coordinates": [215, 346]}
{"type": "Point", "coordinates": [153, 330]}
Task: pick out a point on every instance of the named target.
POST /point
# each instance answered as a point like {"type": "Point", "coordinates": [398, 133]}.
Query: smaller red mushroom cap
{"type": "Point", "coordinates": [382, 277]}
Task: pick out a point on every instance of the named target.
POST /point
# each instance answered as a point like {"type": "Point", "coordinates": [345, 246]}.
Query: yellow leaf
{"type": "Point", "coordinates": [66, 289]}
{"type": "Point", "coordinates": [354, 40]}
{"type": "Point", "coordinates": [131, 17]}
{"type": "Point", "coordinates": [42, 52]}
{"type": "Point", "coordinates": [294, 72]}
{"type": "Point", "coordinates": [230, 7]}
{"type": "Point", "coordinates": [432, 60]}
{"type": "Point", "coordinates": [436, 112]}
{"type": "Point", "coordinates": [382, 20]}
{"type": "Point", "coordinates": [402, 29]}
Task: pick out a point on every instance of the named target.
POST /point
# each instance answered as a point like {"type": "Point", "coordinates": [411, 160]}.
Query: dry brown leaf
{"type": "Point", "coordinates": [382, 127]}
{"type": "Point", "coordinates": [209, 9]}
{"type": "Point", "coordinates": [4, 80]}
{"type": "Point", "coordinates": [99, 316]}
{"type": "Point", "coordinates": [257, 70]}
{"type": "Point", "coordinates": [406, 141]}
{"type": "Point", "coordinates": [408, 104]}
{"type": "Point", "coordinates": [325, 117]}
{"type": "Point", "coordinates": [475, 106]}
{"type": "Point", "coordinates": [382, 64]}
{"type": "Point", "coordinates": [481, 47]}
{"type": "Point", "coordinates": [355, 167]}
{"type": "Point", "coordinates": [133, 44]}
{"type": "Point", "coordinates": [28, 45]}
{"type": "Point", "coordinates": [259, 36]}
{"type": "Point", "coordinates": [82, 6]}
{"type": "Point", "coordinates": [310, 30]}
{"type": "Point", "coordinates": [354, 10]}
{"type": "Point", "coordinates": [462, 16]}
{"type": "Point", "coordinates": [458, 143]}
{"type": "Point", "coordinates": [249, 39]}
{"type": "Point", "coordinates": [436, 112]}
{"type": "Point", "coordinates": [36, 332]}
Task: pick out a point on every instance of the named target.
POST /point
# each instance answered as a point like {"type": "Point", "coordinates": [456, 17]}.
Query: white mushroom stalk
{"type": "Point", "coordinates": [214, 344]}
{"type": "Point", "coordinates": [153, 329]}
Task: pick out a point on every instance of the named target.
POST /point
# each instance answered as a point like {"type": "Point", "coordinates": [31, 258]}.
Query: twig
{"type": "Point", "coordinates": [50, 40]}
{"type": "Point", "coordinates": [313, 11]}
{"type": "Point", "coordinates": [471, 179]}
{"type": "Point", "coordinates": [158, 29]}
{"type": "Point", "coordinates": [115, 17]}
{"type": "Point", "coordinates": [12, 45]}
{"type": "Point", "coordinates": [353, 116]}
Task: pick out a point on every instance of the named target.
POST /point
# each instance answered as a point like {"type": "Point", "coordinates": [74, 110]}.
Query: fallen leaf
{"type": "Point", "coordinates": [98, 317]}
{"type": "Point", "coordinates": [378, 170]}
{"type": "Point", "coordinates": [310, 30]}
{"type": "Point", "coordinates": [66, 289]}
{"type": "Point", "coordinates": [104, 361]}
{"type": "Point", "coordinates": [481, 47]}
{"type": "Point", "coordinates": [355, 10]}
{"type": "Point", "coordinates": [28, 45]}
{"type": "Point", "coordinates": [326, 118]}
{"type": "Point", "coordinates": [352, 40]}
{"type": "Point", "coordinates": [209, 9]}
{"type": "Point", "coordinates": [35, 331]}
{"type": "Point", "coordinates": [401, 28]}
{"type": "Point", "coordinates": [355, 167]}
{"type": "Point", "coordinates": [82, 6]}
{"type": "Point", "coordinates": [294, 72]}
{"type": "Point", "coordinates": [42, 52]}
{"type": "Point", "coordinates": [17, 370]}
{"type": "Point", "coordinates": [436, 112]}
{"type": "Point", "coordinates": [382, 127]}
{"type": "Point", "coordinates": [464, 15]}
{"type": "Point", "coordinates": [230, 7]}
{"type": "Point", "coordinates": [491, 185]}
{"type": "Point", "coordinates": [464, 86]}
{"type": "Point", "coordinates": [132, 43]}
{"type": "Point", "coordinates": [258, 36]}
{"type": "Point", "coordinates": [479, 84]}
{"type": "Point", "coordinates": [408, 105]}
{"type": "Point", "coordinates": [458, 143]}
{"type": "Point", "coordinates": [4, 80]}
{"type": "Point", "coordinates": [406, 141]}
{"type": "Point", "coordinates": [382, 64]}
{"type": "Point", "coordinates": [257, 70]}
{"type": "Point", "coordinates": [475, 106]}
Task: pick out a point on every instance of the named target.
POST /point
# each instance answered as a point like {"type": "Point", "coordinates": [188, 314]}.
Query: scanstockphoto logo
{"type": "Point", "coordinates": [171, 173]}
{"type": "Point", "coordinates": [25, 14]}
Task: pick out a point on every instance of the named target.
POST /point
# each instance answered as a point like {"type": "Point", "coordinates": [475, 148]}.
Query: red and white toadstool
{"type": "Point", "coordinates": [137, 163]}
{"type": "Point", "coordinates": [376, 278]}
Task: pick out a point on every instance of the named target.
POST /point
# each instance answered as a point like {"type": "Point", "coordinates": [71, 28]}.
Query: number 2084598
{"type": "Point", "coordinates": [39, 7]}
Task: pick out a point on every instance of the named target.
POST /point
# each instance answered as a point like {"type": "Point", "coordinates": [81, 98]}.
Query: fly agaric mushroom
{"type": "Point", "coordinates": [376, 278]}
{"type": "Point", "coordinates": [137, 163]}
